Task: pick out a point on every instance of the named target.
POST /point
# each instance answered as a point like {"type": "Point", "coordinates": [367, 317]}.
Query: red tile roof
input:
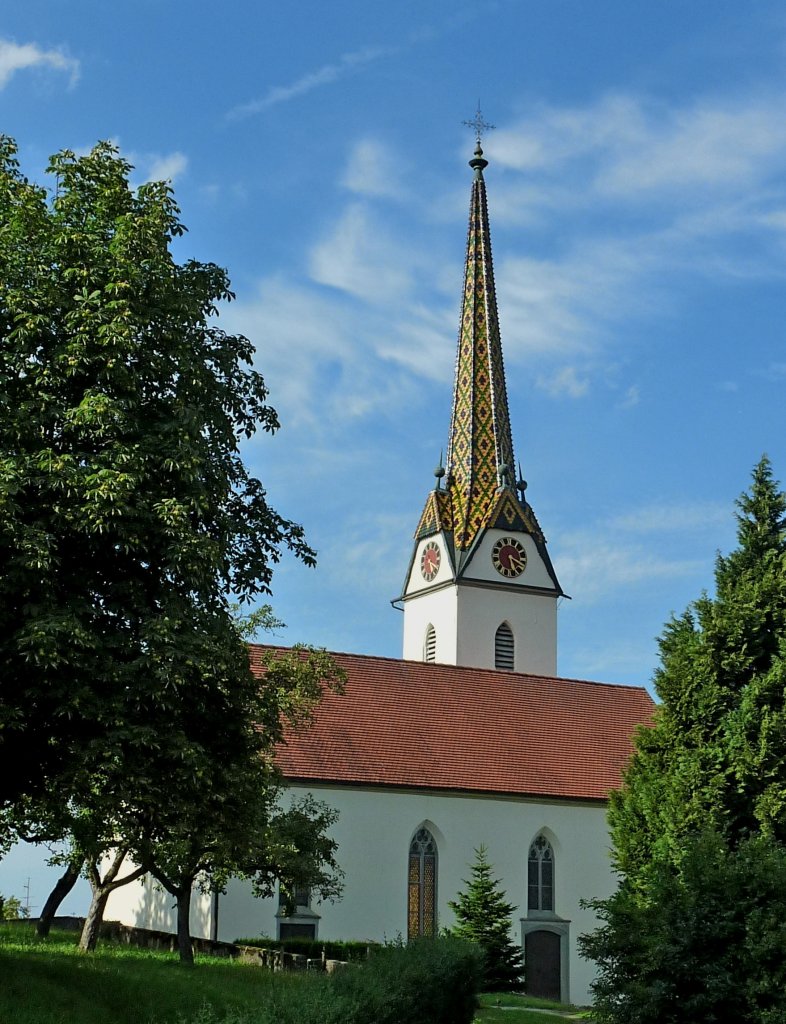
{"type": "Point", "coordinates": [406, 723]}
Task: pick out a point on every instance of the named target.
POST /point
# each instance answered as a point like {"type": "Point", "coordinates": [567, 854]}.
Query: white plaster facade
{"type": "Point", "coordinates": [465, 612]}
{"type": "Point", "coordinates": [374, 831]}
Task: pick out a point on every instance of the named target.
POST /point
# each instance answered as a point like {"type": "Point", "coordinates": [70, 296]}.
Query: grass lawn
{"type": "Point", "coordinates": [506, 1008]}
{"type": "Point", "coordinates": [50, 983]}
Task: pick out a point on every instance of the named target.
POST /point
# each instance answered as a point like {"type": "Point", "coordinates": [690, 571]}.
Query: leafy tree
{"type": "Point", "coordinates": [126, 513]}
{"type": "Point", "coordinates": [483, 917]}
{"type": "Point", "coordinates": [12, 909]}
{"type": "Point", "coordinates": [128, 708]}
{"type": "Point", "coordinates": [705, 782]}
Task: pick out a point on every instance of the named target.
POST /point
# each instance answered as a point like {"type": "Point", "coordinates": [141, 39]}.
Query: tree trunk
{"type": "Point", "coordinates": [62, 888]}
{"type": "Point", "coordinates": [102, 889]}
{"type": "Point", "coordinates": [184, 947]}
{"type": "Point", "coordinates": [95, 916]}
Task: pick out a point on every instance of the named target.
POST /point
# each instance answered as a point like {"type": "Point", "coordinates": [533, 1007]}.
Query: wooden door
{"type": "Point", "coordinates": [542, 964]}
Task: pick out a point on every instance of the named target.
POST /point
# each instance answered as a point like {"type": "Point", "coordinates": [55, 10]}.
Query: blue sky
{"type": "Point", "coordinates": [637, 194]}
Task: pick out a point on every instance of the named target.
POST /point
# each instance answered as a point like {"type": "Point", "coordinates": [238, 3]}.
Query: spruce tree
{"type": "Point", "coordinates": [483, 916]}
{"type": "Point", "coordinates": [705, 792]}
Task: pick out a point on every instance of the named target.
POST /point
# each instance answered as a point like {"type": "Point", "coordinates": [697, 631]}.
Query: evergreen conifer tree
{"type": "Point", "coordinates": [703, 798]}
{"type": "Point", "coordinates": [483, 916]}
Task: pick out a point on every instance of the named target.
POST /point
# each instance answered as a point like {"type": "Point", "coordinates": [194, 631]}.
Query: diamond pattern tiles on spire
{"type": "Point", "coordinates": [480, 440]}
{"type": "Point", "coordinates": [436, 516]}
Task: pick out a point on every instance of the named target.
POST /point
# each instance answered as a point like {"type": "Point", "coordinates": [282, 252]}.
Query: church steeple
{"type": "Point", "coordinates": [481, 589]}
{"type": "Point", "coordinates": [480, 447]}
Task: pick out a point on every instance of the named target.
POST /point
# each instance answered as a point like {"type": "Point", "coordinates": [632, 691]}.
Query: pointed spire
{"type": "Point", "coordinates": [480, 448]}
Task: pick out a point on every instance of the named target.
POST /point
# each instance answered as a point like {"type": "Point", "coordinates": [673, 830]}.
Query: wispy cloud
{"type": "Point", "coordinates": [22, 56]}
{"type": "Point", "coordinates": [668, 517]}
{"type": "Point", "coordinates": [631, 398]}
{"type": "Point", "coordinates": [155, 166]}
{"type": "Point", "coordinates": [635, 147]}
{"type": "Point", "coordinates": [567, 381]}
{"type": "Point", "coordinates": [347, 64]}
{"type": "Point", "coordinates": [372, 170]}
{"type": "Point", "coordinates": [358, 256]}
{"type": "Point", "coordinates": [166, 167]}
{"type": "Point", "coordinates": [594, 567]}
{"type": "Point", "coordinates": [638, 547]}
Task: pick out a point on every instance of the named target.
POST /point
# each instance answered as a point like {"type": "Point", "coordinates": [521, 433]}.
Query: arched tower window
{"type": "Point", "coordinates": [504, 648]}
{"type": "Point", "coordinates": [540, 876]}
{"type": "Point", "coordinates": [430, 646]}
{"type": "Point", "coordinates": [422, 885]}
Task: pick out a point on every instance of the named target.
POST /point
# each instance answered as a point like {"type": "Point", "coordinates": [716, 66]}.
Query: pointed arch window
{"type": "Point", "coordinates": [430, 645]}
{"type": "Point", "coordinates": [540, 876]}
{"type": "Point", "coordinates": [422, 885]}
{"type": "Point", "coordinates": [504, 648]}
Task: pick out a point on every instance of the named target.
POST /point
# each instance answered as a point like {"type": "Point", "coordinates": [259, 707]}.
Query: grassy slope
{"type": "Point", "coordinates": [50, 983]}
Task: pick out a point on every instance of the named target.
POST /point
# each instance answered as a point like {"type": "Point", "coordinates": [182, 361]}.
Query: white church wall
{"type": "Point", "coordinates": [438, 609]}
{"type": "Point", "coordinates": [374, 831]}
{"type": "Point", "coordinates": [144, 904]}
{"type": "Point", "coordinates": [532, 618]}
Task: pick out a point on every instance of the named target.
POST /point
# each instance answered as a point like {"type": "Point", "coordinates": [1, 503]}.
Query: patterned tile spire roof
{"type": "Point", "coordinates": [480, 449]}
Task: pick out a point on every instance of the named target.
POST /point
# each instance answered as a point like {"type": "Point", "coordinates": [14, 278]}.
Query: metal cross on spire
{"type": "Point", "coordinates": [478, 124]}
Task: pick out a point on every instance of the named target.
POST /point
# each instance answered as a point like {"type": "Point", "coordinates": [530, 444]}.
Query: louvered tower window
{"type": "Point", "coordinates": [422, 885]}
{"type": "Point", "coordinates": [430, 646]}
{"type": "Point", "coordinates": [540, 876]}
{"type": "Point", "coordinates": [504, 648]}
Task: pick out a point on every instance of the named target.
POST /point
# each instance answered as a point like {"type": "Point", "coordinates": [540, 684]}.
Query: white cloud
{"type": "Point", "coordinates": [631, 398]}
{"type": "Point", "coordinates": [166, 167]}
{"type": "Point", "coordinates": [359, 257]}
{"type": "Point", "coordinates": [668, 517]}
{"type": "Point", "coordinates": [706, 146]}
{"type": "Point", "coordinates": [594, 567]}
{"type": "Point", "coordinates": [629, 147]}
{"type": "Point", "coordinates": [566, 381]}
{"type": "Point", "coordinates": [19, 57]}
{"type": "Point", "coordinates": [323, 356]}
{"type": "Point", "coordinates": [347, 64]}
{"type": "Point", "coordinates": [372, 170]}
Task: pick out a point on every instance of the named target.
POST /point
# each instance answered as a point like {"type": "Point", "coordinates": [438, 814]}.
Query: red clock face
{"type": "Point", "coordinates": [509, 557]}
{"type": "Point", "coordinates": [429, 561]}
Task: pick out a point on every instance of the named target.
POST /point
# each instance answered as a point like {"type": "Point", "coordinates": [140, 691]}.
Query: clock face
{"type": "Point", "coordinates": [509, 557]}
{"type": "Point", "coordinates": [429, 561]}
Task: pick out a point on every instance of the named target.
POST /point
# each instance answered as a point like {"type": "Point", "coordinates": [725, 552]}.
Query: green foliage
{"type": "Point", "coordinates": [707, 944]}
{"type": "Point", "coordinates": [334, 949]}
{"type": "Point", "coordinates": [702, 806]}
{"type": "Point", "coordinates": [427, 981]}
{"type": "Point", "coordinates": [126, 513]}
{"type": "Point", "coordinates": [483, 917]}
{"type": "Point", "coordinates": [11, 908]}
{"type": "Point", "coordinates": [128, 708]}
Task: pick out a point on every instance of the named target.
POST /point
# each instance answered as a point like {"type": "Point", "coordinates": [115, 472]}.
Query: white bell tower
{"type": "Point", "coordinates": [480, 590]}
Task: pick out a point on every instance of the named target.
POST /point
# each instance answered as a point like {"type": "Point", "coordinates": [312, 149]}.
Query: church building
{"type": "Point", "coordinates": [472, 739]}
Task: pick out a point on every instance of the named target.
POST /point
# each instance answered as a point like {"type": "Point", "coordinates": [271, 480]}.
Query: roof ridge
{"type": "Point", "coordinates": [437, 666]}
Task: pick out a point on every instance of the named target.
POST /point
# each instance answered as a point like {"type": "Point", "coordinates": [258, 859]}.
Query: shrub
{"type": "Point", "coordinates": [430, 981]}
{"type": "Point", "coordinates": [312, 948]}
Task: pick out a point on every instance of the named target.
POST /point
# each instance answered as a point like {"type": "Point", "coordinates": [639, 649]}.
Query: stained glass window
{"type": "Point", "coordinates": [422, 887]}
{"type": "Point", "coordinates": [540, 875]}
